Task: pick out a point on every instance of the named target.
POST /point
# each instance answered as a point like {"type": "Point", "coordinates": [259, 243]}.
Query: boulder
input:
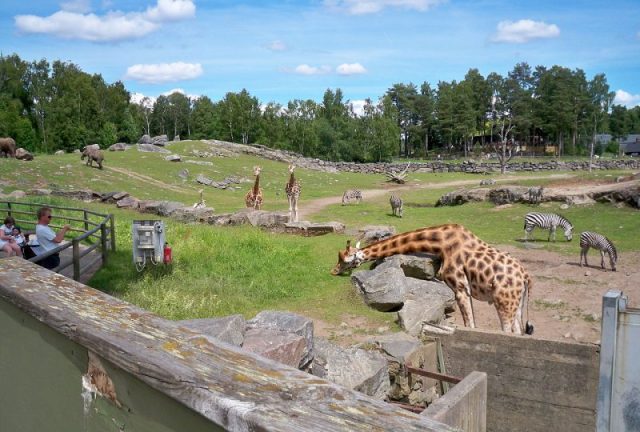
{"type": "Point", "coordinates": [421, 266]}
{"type": "Point", "coordinates": [229, 329]}
{"type": "Point", "coordinates": [311, 228]}
{"type": "Point", "coordinates": [192, 214]}
{"type": "Point", "coordinates": [128, 202]}
{"type": "Point", "coordinates": [425, 303]}
{"type": "Point", "coordinates": [151, 148]}
{"type": "Point", "coordinates": [462, 196]}
{"type": "Point", "coordinates": [149, 206]}
{"type": "Point", "coordinates": [173, 158]}
{"type": "Point", "coordinates": [160, 140]}
{"type": "Point", "coordinates": [203, 180]}
{"type": "Point", "coordinates": [84, 195]}
{"type": "Point", "coordinates": [184, 174]}
{"type": "Point", "coordinates": [92, 147]}
{"type": "Point", "coordinates": [283, 347]}
{"type": "Point", "coordinates": [144, 139]}
{"type": "Point", "coordinates": [59, 152]}
{"type": "Point", "coordinates": [266, 219]}
{"type": "Point", "coordinates": [118, 147]}
{"type": "Point", "coordinates": [206, 163]}
{"type": "Point", "coordinates": [381, 289]}
{"type": "Point", "coordinates": [353, 368]}
{"type": "Point", "coordinates": [77, 151]}
{"type": "Point", "coordinates": [23, 154]}
{"type": "Point", "coordinates": [373, 233]}
{"type": "Point", "coordinates": [120, 195]}
{"type": "Point", "coordinates": [40, 192]}
{"type": "Point", "coordinates": [176, 138]}
{"type": "Point", "coordinates": [17, 194]}
{"type": "Point", "coordinates": [290, 323]}
{"type": "Point", "coordinates": [509, 195]}
{"type": "Point", "coordinates": [167, 208]}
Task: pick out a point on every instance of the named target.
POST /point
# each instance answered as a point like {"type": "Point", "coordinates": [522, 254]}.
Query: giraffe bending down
{"type": "Point", "coordinates": [470, 267]}
{"type": "Point", "coordinates": [292, 188]}
{"type": "Point", "coordinates": [253, 199]}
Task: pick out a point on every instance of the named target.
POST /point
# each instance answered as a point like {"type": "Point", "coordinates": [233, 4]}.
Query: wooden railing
{"type": "Point", "coordinates": [97, 234]}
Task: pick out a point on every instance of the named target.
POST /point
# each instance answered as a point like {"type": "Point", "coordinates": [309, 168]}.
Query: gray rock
{"type": "Point", "coordinates": [382, 289]}
{"type": "Point", "coordinates": [423, 267]}
{"type": "Point", "coordinates": [120, 195]}
{"type": "Point", "coordinates": [77, 151]}
{"type": "Point", "coordinates": [151, 148]}
{"type": "Point", "coordinates": [160, 140]}
{"type": "Point", "coordinates": [17, 194]}
{"type": "Point", "coordinates": [509, 195]}
{"type": "Point", "coordinates": [290, 323]}
{"type": "Point", "coordinates": [173, 158]}
{"type": "Point", "coordinates": [192, 214]}
{"type": "Point", "coordinates": [283, 347]}
{"type": "Point", "coordinates": [462, 196]}
{"type": "Point", "coordinates": [167, 208]}
{"type": "Point", "coordinates": [118, 147]}
{"type": "Point", "coordinates": [23, 154]}
{"type": "Point", "coordinates": [262, 218]}
{"type": "Point", "coordinates": [374, 233]}
{"type": "Point", "coordinates": [184, 174]}
{"type": "Point", "coordinates": [92, 147]}
{"type": "Point", "coordinates": [84, 195]}
{"type": "Point", "coordinates": [59, 152]}
{"type": "Point", "coordinates": [311, 228]}
{"type": "Point", "coordinates": [176, 138]}
{"type": "Point", "coordinates": [144, 139]}
{"type": "Point", "coordinates": [206, 163]}
{"type": "Point", "coordinates": [353, 368]}
{"type": "Point", "coordinates": [425, 303]}
{"type": "Point", "coordinates": [229, 329]}
{"type": "Point", "coordinates": [40, 192]}
{"type": "Point", "coordinates": [204, 180]}
{"type": "Point", "coordinates": [149, 206]}
{"type": "Point", "coordinates": [128, 202]}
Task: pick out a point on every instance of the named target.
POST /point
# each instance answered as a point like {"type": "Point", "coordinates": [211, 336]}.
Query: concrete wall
{"type": "Point", "coordinates": [533, 384]}
{"type": "Point", "coordinates": [464, 406]}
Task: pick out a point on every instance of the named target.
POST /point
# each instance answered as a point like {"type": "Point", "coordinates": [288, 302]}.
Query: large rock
{"type": "Point", "coordinates": [229, 329]}
{"type": "Point", "coordinates": [462, 196]}
{"type": "Point", "coordinates": [23, 154]}
{"type": "Point", "coordinates": [381, 289]}
{"type": "Point", "coordinates": [160, 140]}
{"type": "Point", "coordinates": [149, 206]}
{"type": "Point", "coordinates": [184, 174]}
{"type": "Point", "coordinates": [423, 267]}
{"type": "Point", "coordinates": [193, 215]}
{"type": "Point", "coordinates": [203, 180]}
{"type": "Point", "coordinates": [144, 139]}
{"type": "Point", "coordinates": [266, 219]}
{"type": "Point", "coordinates": [173, 158]}
{"type": "Point", "coordinates": [312, 228]}
{"type": "Point", "coordinates": [128, 202]}
{"type": "Point", "coordinates": [353, 368]}
{"type": "Point", "coordinates": [509, 195]}
{"type": "Point", "coordinates": [151, 148]}
{"type": "Point", "coordinates": [373, 233]}
{"type": "Point", "coordinates": [84, 195]}
{"type": "Point", "coordinates": [290, 323]}
{"type": "Point", "coordinates": [59, 152]}
{"type": "Point", "coordinates": [92, 147]}
{"type": "Point", "coordinates": [425, 304]}
{"type": "Point", "coordinates": [167, 208]}
{"type": "Point", "coordinates": [283, 347]}
{"type": "Point", "coordinates": [118, 147]}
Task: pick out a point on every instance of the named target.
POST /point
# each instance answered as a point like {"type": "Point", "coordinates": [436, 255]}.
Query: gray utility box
{"type": "Point", "coordinates": [148, 242]}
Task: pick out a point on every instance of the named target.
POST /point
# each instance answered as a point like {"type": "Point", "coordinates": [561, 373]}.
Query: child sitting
{"type": "Point", "coordinates": [18, 237]}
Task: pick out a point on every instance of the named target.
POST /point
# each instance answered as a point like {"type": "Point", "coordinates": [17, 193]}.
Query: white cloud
{"type": "Point", "coordinates": [181, 91]}
{"type": "Point", "coordinates": [361, 7]}
{"type": "Point", "coordinates": [139, 98]}
{"type": "Point", "coordinates": [351, 69]}
{"type": "Point", "coordinates": [305, 69]}
{"type": "Point", "coordinates": [163, 72]}
{"type": "Point", "coordinates": [358, 106]}
{"type": "Point", "coordinates": [79, 6]}
{"type": "Point", "coordinates": [524, 30]}
{"type": "Point", "coordinates": [627, 99]}
{"type": "Point", "coordinates": [276, 45]}
{"type": "Point", "coordinates": [73, 23]}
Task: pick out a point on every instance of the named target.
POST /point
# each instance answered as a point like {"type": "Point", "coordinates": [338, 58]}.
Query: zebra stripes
{"type": "Point", "coordinates": [597, 241]}
{"type": "Point", "coordinates": [396, 205]}
{"type": "Point", "coordinates": [351, 195]}
{"type": "Point", "coordinates": [548, 221]}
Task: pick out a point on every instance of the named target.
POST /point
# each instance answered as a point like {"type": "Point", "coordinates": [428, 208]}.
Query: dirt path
{"type": "Point", "coordinates": [315, 206]}
{"type": "Point", "coordinates": [146, 179]}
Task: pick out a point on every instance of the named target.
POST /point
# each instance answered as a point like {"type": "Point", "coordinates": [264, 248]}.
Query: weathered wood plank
{"type": "Point", "coordinates": [235, 389]}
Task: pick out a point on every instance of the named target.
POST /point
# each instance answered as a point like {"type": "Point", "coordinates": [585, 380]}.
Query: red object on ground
{"type": "Point", "coordinates": [167, 254]}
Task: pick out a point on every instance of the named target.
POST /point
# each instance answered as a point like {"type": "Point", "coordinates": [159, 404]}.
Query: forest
{"type": "Point", "coordinates": [51, 106]}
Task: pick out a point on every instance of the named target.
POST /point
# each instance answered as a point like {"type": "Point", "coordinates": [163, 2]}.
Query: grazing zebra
{"type": "Point", "coordinates": [597, 241]}
{"type": "Point", "coordinates": [396, 205]}
{"type": "Point", "coordinates": [487, 182]}
{"type": "Point", "coordinates": [548, 221]}
{"type": "Point", "coordinates": [535, 194]}
{"type": "Point", "coordinates": [351, 195]}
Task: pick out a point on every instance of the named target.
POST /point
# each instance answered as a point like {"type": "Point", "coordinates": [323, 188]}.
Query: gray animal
{"type": "Point", "coordinates": [7, 147]}
{"type": "Point", "coordinates": [535, 194]}
{"type": "Point", "coordinates": [92, 154]}
{"type": "Point", "coordinates": [351, 195]}
{"type": "Point", "coordinates": [487, 182]}
{"type": "Point", "coordinates": [396, 205]}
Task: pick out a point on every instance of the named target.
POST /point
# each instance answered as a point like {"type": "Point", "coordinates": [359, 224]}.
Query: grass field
{"type": "Point", "coordinates": [219, 271]}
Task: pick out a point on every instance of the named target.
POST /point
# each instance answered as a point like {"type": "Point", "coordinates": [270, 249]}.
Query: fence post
{"type": "Point", "coordinates": [112, 228]}
{"type": "Point", "coordinates": [8, 208]}
{"type": "Point", "coordinates": [86, 221]}
{"type": "Point", "coordinates": [103, 238]}
{"type": "Point", "coordinates": [76, 259]}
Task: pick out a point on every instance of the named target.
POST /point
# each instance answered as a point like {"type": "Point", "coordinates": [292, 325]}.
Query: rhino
{"type": "Point", "coordinates": [92, 154]}
{"type": "Point", "coordinates": [7, 147]}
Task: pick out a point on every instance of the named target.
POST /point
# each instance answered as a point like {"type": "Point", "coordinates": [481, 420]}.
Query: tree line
{"type": "Point", "coordinates": [50, 106]}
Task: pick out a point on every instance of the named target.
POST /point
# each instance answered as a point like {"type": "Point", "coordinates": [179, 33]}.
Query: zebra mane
{"type": "Point", "coordinates": [564, 222]}
{"type": "Point", "coordinates": [614, 252]}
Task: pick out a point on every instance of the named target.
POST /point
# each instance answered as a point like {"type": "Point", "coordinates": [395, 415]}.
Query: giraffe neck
{"type": "Point", "coordinates": [439, 241]}
{"type": "Point", "coordinates": [292, 180]}
{"type": "Point", "coordinates": [256, 185]}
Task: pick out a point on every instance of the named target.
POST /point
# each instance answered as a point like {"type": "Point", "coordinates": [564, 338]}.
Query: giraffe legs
{"type": "Point", "coordinates": [463, 299]}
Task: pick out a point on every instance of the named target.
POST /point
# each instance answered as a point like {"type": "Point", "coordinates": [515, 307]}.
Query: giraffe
{"type": "Point", "coordinates": [470, 267]}
{"type": "Point", "coordinates": [292, 188]}
{"type": "Point", "coordinates": [253, 199]}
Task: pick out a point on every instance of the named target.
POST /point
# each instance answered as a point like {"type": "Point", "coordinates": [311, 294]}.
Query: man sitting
{"type": "Point", "coordinates": [48, 239]}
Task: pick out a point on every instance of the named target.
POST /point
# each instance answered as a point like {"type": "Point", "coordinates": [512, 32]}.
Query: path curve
{"type": "Point", "coordinates": [147, 179]}
{"type": "Point", "coordinates": [312, 207]}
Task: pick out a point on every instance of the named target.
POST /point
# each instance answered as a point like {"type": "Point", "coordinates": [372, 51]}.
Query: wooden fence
{"type": "Point", "coordinates": [97, 232]}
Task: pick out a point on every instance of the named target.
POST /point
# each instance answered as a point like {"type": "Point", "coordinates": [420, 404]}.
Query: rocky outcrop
{"type": "Point", "coordinates": [144, 139]}
{"type": "Point", "coordinates": [118, 147]}
{"type": "Point", "coordinates": [383, 290]}
{"type": "Point", "coordinates": [23, 154]}
{"type": "Point", "coordinates": [230, 329]}
{"type": "Point", "coordinates": [160, 140]}
{"type": "Point", "coordinates": [151, 148]}
{"type": "Point", "coordinates": [463, 196]}
{"type": "Point", "coordinates": [173, 158]}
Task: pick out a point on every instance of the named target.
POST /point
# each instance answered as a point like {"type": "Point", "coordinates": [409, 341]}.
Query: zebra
{"type": "Point", "coordinates": [487, 182]}
{"type": "Point", "coordinates": [548, 221]}
{"type": "Point", "coordinates": [351, 194]}
{"type": "Point", "coordinates": [396, 205]}
{"type": "Point", "coordinates": [535, 194]}
{"type": "Point", "coordinates": [594, 240]}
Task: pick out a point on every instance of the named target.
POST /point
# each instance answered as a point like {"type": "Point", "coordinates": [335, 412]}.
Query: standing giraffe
{"type": "Point", "coordinates": [292, 188]}
{"type": "Point", "coordinates": [253, 199]}
{"type": "Point", "coordinates": [470, 267]}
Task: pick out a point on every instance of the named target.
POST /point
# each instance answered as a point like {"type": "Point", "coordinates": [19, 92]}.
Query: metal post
{"type": "Point", "coordinates": [76, 259]}
{"type": "Point", "coordinates": [607, 359]}
{"type": "Point", "coordinates": [112, 228]}
{"type": "Point", "coordinates": [103, 238]}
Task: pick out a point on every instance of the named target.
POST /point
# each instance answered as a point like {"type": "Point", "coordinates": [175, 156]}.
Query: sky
{"type": "Point", "coordinates": [282, 50]}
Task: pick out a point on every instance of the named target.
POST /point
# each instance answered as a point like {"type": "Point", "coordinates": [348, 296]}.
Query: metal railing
{"type": "Point", "coordinates": [98, 233]}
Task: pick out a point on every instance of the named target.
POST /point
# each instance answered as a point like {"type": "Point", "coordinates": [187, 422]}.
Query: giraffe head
{"type": "Point", "coordinates": [291, 168]}
{"type": "Point", "coordinates": [256, 170]}
{"type": "Point", "coordinates": [348, 259]}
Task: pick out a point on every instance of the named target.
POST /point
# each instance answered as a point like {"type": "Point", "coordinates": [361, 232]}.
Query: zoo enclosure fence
{"type": "Point", "coordinates": [97, 233]}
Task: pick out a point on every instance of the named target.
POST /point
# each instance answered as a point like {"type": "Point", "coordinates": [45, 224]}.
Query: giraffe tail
{"type": "Point", "coordinates": [528, 284]}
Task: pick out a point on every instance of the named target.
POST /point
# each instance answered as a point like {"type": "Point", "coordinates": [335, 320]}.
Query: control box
{"type": "Point", "coordinates": [148, 242]}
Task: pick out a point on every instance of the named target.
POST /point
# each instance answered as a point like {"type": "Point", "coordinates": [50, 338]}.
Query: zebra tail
{"type": "Point", "coordinates": [528, 284]}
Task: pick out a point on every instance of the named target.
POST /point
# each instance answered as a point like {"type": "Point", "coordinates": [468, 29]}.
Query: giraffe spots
{"type": "Point", "coordinates": [459, 274]}
{"type": "Point", "coordinates": [473, 263]}
{"type": "Point", "coordinates": [499, 277]}
{"type": "Point", "coordinates": [487, 272]}
{"type": "Point", "coordinates": [496, 267]}
{"type": "Point", "coordinates": [509, 270]}
{"type": "Point", "coordinates": [465, 236]}
{"type": "Point", "coordinates": [436, 250]}
{"type": "Point", "coordinates": [394, 243]}
{"type": "Point", "coordinates": [466, 255]}
{"type": "Point", "coordinates": [509, 281]}
{"type": "Point", "coordinates": [384, 247]}
{"type": "Point", "coordinates": [481, 265]}
{"type": "Point", "coordinates": [478, 255]}
{"type": "Point", "coordinates": [459, 260]}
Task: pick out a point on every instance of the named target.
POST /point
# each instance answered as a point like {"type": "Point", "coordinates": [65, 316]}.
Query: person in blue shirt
{"type": "Point", "coordinates": [48, 239]}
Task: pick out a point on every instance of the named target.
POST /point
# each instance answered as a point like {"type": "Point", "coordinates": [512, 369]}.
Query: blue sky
{"type": "Point", "coordinates": [284, 50]}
